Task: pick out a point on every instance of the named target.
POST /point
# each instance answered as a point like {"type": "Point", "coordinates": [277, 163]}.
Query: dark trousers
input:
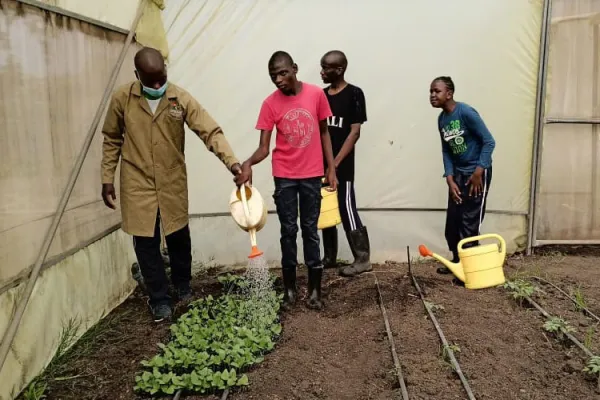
{"type": "Point", "coordinates": [147, 250]}
{"type": "Point", "coordinates": [305, 194]}
{"type": "Point", "coordinates": [464, 220]}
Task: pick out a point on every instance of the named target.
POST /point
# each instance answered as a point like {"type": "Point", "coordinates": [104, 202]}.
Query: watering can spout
{"type": "Point", "coordinates": [456, 268]}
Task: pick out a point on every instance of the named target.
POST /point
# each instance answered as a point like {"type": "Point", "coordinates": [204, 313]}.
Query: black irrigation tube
{"type": "Point", "coordinates": [587, 311]}
{"type": "Point", "coordinates": [438, 328]}
{"type": "Point", "coordinates": [390, 336]}
{"type": "Point", "coordinates": [567, 334]}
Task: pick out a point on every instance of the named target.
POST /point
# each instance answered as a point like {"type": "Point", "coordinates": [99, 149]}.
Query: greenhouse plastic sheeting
{"type": "Point", "coordinates": [119, 13]}
{"type": "Point", "coordinates": [219, 52]}
{"type": "Point", "coordinates": [568, 206]}
{"type": "Point", "coordinates": [81, 289]}
{"type": "Point", "coordinates": [53, 71]}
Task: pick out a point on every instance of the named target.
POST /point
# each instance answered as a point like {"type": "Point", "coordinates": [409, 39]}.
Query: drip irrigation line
{"type": "Point", "coordinates": [591, 314]}
{"type": "Point", "coordinates": [392, 345]}
{"type": "Point", "coordinates": [11, 331]}
{"type": "Point", "coordinates": [567, 334]}
{"type": "Point", "coordinates": [438, 328]}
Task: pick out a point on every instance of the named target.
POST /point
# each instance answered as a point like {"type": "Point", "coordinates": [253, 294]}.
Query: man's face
{"type": "Point", "coordinates": [283, 75]}
{"type": "Point", "coordinates": [152, 79]}
{"type": "Point", "coordinates": [439, 94]}
{"type": "Point", "coordinates": [330, 71]}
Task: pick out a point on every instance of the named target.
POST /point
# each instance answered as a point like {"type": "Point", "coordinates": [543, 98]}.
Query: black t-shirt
{"type": "Point", "coordinates": [348, 107]}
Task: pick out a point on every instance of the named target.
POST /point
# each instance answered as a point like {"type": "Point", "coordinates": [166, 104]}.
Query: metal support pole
{"type": "Point", "coordinates": [9, 334]}
{"type": "Point", "coordinates": [538, 125]}
{"type": "Point", "coordinates": [595, 130]}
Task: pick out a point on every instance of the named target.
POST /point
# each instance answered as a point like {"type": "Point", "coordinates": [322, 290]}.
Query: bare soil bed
{"type": "Point", "coordinates": [343, 352]}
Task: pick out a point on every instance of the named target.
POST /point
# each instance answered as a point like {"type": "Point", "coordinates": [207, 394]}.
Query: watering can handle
{"type": "Point", "coordinates": [247, 212]}
{"type": "Point", "coordinates": [245, 201]}
{"type": "Point", "coordinates": [502, 245]}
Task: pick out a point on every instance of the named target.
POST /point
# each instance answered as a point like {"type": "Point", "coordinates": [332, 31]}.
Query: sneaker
{"type": "Point", "coordinates": [443, 271]}
{"type": "Point", "coordinates": [184, 295]}
{"type": "Point", "coordinates": [160, 312]}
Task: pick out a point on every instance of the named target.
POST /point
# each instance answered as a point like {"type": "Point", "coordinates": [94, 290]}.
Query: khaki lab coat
{"type": "Point", "coordinates": [151, 147]}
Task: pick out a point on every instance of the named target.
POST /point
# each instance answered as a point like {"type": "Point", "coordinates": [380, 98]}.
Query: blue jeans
{"type": "Point", "coordinates": [286, 196]}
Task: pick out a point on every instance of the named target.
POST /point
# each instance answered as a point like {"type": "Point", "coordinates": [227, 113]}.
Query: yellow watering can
{"type": "Point", "coordinates": [249, 212]}
{"type": "Point", "coordinates": [330, 211]}
{"type": "Point", "coordinates": [480, 266]}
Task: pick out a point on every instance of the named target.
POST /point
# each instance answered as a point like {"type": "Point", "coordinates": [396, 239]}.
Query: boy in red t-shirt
{"type": "Point", "coordinates": [299, 111]}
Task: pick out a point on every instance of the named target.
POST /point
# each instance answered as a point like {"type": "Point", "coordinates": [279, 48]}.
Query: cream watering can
{"type": "Point", "coordinates": [249, 212]}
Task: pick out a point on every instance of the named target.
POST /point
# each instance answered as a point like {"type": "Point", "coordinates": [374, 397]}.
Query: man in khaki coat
{"type": "Point", "coordinates": [144, 127]}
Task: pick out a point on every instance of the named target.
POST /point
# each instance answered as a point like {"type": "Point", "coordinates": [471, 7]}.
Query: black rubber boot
{"type": "Point", "coordinates": [361, 248]}
{"type": "Point", "coordinates": [314, 289]}
{"type": "Point", "coordinates": [444, 270]}
{"type": "Point", "coordinates": [289, 288]}
{"type": "Point", "coordinates": [330, 247]}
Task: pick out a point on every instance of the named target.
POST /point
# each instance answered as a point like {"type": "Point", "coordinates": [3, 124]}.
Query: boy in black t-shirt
{"type": "Point", "coordinates": [347, 104]}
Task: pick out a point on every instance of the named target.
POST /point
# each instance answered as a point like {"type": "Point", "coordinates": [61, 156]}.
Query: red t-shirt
{"type": "Point", "coordinates": [298, 152]}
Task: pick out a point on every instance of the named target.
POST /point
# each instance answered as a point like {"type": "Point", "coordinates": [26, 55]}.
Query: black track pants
{"type": "Point", "coordinates": [464, 220]}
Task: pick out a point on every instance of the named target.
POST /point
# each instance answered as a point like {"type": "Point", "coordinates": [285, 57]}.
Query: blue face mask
{"type": "Point", "coordinates": [155, 92]}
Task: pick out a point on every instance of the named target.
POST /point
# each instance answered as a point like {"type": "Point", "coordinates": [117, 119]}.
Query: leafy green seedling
{"type": "Point", "coordinates": [446, 353]}
{"type": "Point", "coordinates": [520, 289]}
{"type": "Point", "coordinates": [593, 365]}
{"type": "Point", "coordinates": [434, 307]}
{"type": "Point", "coordinates": [216, 340]}
{"type": "Point", "coordinates": [558, 326]}
{"type": "Point", "coordinates": [593, 368]}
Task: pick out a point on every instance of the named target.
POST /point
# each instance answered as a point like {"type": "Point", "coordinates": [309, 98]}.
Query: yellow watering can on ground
{"type": "Point", "coordinates": [249, 212]}
{"type": "Point", "coordinates": [480, 266]}
{"type": "Point", "coordinates": [330, 211]}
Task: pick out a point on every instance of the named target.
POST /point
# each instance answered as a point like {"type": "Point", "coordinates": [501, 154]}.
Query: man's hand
{"type": "Point", "coordinates": [242, 174]}
{"type": "Point", "coordinates": [454, 190]}
{"type": "Point", "coordinates": [109, 195]}
{"type": "Point", "coordinates": [331, 179]}
{"type": "Point", "coordinates": [475, 183]}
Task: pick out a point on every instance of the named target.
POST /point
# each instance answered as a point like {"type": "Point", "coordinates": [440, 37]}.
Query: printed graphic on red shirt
{"type": "Point", "coordinates": [298, 126]}
{"type": "Point", "coordinates": [298, 152]}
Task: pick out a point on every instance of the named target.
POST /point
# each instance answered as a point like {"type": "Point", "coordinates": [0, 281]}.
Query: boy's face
{"type": "Point", "coordinates": [283, 75]}
{"type": "Point", "coordinates": [330, 71]}
{"type": "Point", "coordinates": [439, 94]}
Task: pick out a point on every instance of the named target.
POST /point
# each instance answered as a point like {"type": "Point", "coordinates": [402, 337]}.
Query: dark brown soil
{"type": "Point", "coordinates": [417, 342]}
{"type": "Point", "coordinates": [343, 352]}
{"type": "Point", "coordinates": [504, 351]}
{"type": "Point", "coordinates": [576, 276]}
{"type": "Point", "coordinates": [105, 365]}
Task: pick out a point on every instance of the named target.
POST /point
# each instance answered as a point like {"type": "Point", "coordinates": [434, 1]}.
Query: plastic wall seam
{"type": "Point", "coordinates": [538, 124]}
{"type": "Point", "coordinates": [398, 209]}
{"type": "Point", "coordinates": [58, 258]}
{"type": "Point", "coordinates": [71, 14]}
